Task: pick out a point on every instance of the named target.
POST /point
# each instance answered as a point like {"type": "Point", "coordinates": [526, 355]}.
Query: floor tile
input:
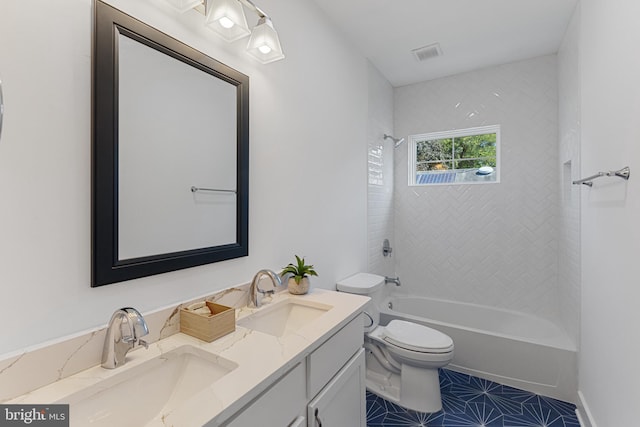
{"type": "Point", "coordinates": [469, 401]}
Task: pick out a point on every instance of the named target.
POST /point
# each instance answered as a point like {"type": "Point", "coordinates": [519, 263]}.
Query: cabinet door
{"type": "Point", "coordinates": [331, 356]}
{"type": "Point", "coordinates": [281, 405]}
{"type": "Point", "coordinates": [342, 401]}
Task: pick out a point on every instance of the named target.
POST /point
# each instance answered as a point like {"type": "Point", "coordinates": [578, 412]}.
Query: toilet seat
{"type": "Point", "coordinates": [414, 337]}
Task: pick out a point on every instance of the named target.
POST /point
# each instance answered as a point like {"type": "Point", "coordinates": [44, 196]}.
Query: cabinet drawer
{"type": "Point", "coordinates": [329, 358]}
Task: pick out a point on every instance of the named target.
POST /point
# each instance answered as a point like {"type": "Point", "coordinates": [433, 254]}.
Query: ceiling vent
{"type": "Point", "coordinates": [427, 52]}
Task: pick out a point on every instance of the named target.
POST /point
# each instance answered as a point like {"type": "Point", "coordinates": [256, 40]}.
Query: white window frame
{"type": "Point", "coordinates": [481, 130]}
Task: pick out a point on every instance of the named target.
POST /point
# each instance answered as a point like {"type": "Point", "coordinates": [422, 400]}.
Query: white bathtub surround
{"type": "Point", "coordinates": [244, 376]}
{"type": "Point", "coordinates": [493, 244]}
{"type": "Point", "coordinates": [380, 173]}
{"type": "Point", "coordinates": [504, 346]}
{"type": "Point", "coordinates": [35, 367]}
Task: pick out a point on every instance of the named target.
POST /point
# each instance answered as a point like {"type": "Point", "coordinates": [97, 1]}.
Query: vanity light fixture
{"type": "Point", "coordinates": [264, 44]}
{"type": "Point", "coordinates": [227, 19]}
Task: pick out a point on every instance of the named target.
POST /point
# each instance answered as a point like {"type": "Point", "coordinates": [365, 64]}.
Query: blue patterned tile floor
{"type": "Point", "coordinates": [469, 401]}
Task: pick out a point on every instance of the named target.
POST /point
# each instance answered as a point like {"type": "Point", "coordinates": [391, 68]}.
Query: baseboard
{"type": "Point", "coordinates": [584, 414]}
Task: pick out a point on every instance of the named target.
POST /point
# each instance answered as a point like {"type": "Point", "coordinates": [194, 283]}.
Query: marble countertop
{"type": "Point", "coordinates": [260, 360]}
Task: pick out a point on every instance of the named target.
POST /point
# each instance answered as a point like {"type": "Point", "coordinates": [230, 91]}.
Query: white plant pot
{"type": "Point", "coordinates": [298, 288]}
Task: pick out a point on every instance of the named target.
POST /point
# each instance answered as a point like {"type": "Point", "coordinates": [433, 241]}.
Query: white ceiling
{"type": "Point", "coordinates": [472, 34]}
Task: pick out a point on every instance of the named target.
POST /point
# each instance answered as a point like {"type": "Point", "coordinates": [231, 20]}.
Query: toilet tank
{"type": "Point", "coordinates": [361, 283]}
{"type": "Point", "coordinates": [367, 284]}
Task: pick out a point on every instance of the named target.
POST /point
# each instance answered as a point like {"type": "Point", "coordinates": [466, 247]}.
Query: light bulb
{"type": "Point", "coordinates": [225, 22]}
{"type": "Point", "coordinates": [264, 49]}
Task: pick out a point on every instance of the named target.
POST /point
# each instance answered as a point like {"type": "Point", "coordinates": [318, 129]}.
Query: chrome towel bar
{"type": "Point", "coordinates": [622, 173]}
{"type": "Point", "coordinates": [216, 190]}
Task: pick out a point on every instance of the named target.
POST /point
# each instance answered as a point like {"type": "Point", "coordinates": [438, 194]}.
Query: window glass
{"type": "Point", "coordinates": [455, 157]}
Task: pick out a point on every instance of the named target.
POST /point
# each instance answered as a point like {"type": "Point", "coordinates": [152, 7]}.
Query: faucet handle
{"type": "Point", "coordinates": [144, 344]}
{"type": "Point", "coordinates": [138, 325]}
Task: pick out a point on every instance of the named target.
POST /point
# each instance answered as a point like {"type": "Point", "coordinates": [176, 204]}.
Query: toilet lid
{"type": "Point", "coordinates": [413, 336]}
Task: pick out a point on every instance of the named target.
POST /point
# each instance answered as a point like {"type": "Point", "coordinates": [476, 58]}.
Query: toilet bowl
{"type": "Point", "coordinates": [402, 358]}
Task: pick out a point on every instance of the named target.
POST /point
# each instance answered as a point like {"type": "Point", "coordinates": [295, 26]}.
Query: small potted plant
{"type": "Point", "coordinates": [299, 281]}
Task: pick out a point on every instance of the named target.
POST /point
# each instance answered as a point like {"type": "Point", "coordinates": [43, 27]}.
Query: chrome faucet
{"type": "Point", "coordinates": [395, 280]}
{"type": "Point", "coordinates": [125, 329]}
{"type": "Point", "coordinates": [255, 289]}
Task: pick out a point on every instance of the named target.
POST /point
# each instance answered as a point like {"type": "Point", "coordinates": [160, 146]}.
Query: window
{"type": "Point", "coordinates": [465, 156]}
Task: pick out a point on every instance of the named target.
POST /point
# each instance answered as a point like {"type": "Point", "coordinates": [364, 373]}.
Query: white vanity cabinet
{"type": "Point", "coordinates": [326, 389]}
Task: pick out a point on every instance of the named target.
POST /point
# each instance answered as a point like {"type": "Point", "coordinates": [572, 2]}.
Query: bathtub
{"type": "Point", "coordinates": [504, 346]}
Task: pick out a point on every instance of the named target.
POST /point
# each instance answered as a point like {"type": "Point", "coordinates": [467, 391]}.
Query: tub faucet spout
{"type": "Point", "coordinates": [395, 280]}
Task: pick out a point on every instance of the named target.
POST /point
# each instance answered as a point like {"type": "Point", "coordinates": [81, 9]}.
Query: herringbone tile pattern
{"type": "Point", "coordinates": [493, 244]}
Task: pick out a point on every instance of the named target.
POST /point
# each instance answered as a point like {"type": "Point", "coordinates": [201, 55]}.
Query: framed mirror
{"type": "Point", "coordinates": [170, 153]}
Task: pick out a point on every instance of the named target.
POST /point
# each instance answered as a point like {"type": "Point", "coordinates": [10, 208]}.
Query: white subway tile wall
{"type": "Point", "coordinates": [380, 173]}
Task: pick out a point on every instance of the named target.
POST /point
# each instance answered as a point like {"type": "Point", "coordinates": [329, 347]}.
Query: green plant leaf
{"type": "Point", "coordinates": [300, 270]}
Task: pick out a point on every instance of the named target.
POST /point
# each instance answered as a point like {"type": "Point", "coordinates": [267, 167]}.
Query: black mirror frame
{"type": "Point", "coordinates": [106, 266]}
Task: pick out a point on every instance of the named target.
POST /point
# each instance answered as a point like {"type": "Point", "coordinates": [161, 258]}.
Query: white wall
{"type": "Point", "coordinates": [610, 91]}
{"type": "Point", "coordinates": [491, 244]}
{"type": "Point", "coordinates": [308, 163]}
{"type": "Point", "coordinates": [569, 170]}
{"type": "Point", "coordinates": [380, 173]}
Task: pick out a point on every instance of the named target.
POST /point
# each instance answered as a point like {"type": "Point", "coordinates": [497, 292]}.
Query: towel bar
{"type": "Point", "coordinates": [623, 173]}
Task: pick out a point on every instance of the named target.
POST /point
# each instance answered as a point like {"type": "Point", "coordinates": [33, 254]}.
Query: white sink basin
{"type": "Point", "coordinates": [145, 394]}
{"type": "Point", "coordinates": [284, 317]}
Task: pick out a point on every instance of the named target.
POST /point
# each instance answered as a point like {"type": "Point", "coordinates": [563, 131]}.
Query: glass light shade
{"type": "Point", "coordinates": [184, 5]}
{"type": "Point", "coordinates": [226, 17]}
{"type": "Point", "coordinates": [264, 44]}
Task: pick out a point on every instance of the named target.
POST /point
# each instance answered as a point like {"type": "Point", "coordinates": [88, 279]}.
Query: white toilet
{"type": "Point", "coordinates": [402, 358]}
